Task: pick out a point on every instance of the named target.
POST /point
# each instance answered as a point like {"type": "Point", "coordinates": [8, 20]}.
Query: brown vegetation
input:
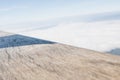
{"type": "Point", "coordinates": [57, 62]}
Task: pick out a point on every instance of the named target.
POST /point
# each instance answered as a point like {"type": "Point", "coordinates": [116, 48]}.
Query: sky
{"type": "Point", "coordinates": [18, 11]}
{"type": "Point", "coordinates": [92, 24]}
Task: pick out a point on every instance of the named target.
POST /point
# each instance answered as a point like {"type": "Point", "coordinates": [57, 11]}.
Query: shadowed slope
{"type": "Point", "coordinates": [19, 40]}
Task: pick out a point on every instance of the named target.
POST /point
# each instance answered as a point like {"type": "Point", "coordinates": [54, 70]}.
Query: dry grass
{"type": "Point", "coordinates": [57, 62]}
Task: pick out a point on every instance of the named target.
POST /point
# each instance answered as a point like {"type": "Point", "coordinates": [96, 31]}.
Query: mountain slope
{"type": "Point", "coordinates": [47, 60]}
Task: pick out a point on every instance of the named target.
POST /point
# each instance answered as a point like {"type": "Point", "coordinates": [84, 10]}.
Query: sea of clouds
{"type": "Point", "coordinates": [96, 32]}
{"type": "Point", "coordinates": [99, 36]}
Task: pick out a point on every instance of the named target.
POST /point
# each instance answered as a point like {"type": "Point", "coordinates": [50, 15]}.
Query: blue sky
{"type": "Point", "coordinates": [16, 11]}
{"type": "Point", "coordinates": [31, 14]}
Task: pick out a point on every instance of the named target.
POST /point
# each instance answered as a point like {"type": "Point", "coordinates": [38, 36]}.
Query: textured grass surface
{"type": "Point", "coordinates": [57, 62]}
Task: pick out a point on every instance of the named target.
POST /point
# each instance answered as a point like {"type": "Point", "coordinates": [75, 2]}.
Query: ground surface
{"type": "Point", "coordinates": [34, 59]}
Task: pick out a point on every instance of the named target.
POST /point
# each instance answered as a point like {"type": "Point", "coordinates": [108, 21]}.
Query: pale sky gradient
{"type": "Point", "coordinates": [17, 11]}
{"type": "Point", "coordinates": [92, 24]}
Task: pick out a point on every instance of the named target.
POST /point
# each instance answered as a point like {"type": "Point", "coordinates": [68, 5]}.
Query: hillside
{"type": "Point", "coordinates": [26, 58]}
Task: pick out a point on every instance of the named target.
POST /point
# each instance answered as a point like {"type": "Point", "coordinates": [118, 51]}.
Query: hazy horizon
{"type": "Point", "coordinates": [89, 24]}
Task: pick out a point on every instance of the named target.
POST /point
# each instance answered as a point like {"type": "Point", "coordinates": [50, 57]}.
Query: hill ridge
{"type": "Point", "coordinates": [55, 61]}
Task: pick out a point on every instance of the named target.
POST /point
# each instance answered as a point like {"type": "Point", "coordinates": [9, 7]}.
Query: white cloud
{"type": "Point", "coordinates": [12, 8]}
{"type": "Point", "coordinates": [100, 36]}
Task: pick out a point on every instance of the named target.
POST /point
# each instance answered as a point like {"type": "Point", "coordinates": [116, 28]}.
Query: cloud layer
{"type": "Point", "coordinates": [97, 31]}
{"type": "Point", "coordinates": [100, 36]}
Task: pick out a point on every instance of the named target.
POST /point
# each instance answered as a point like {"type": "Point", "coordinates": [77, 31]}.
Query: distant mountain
{"type": "Point", "coordinates": [115, 51]}
{"type": "Point", "coordinates": [27, 58]}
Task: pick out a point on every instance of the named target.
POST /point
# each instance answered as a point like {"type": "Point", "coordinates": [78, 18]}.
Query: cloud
{"type": "Point", "coordinates": [107, 16]}
{"type": "Point", "coordinates": [12, 8]}
{"type": "Point", "coordinates": [99, 36]}
{"type": "Point", "coordinates": [98, 32]}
